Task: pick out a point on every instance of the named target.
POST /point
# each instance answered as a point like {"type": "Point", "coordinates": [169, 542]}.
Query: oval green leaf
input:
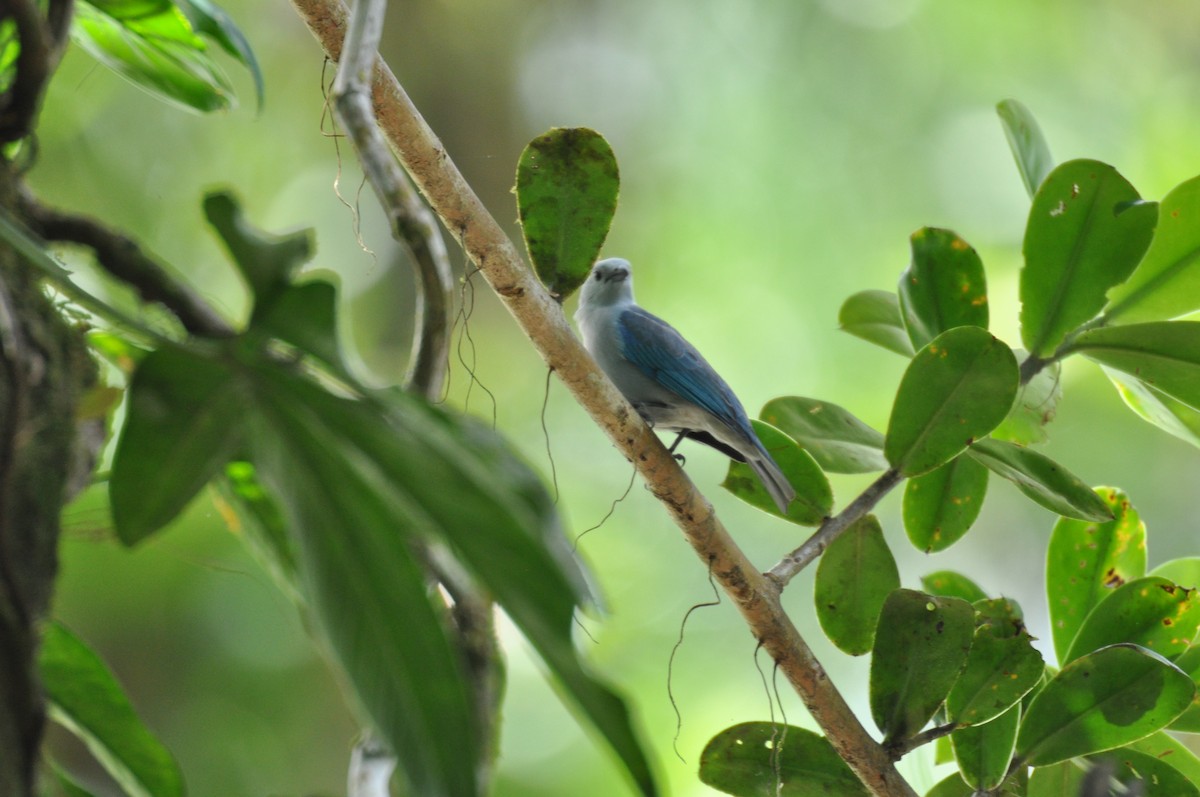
{"type": "Point", "coordinates": [983, 752]}
{"type": "Point", "coordinates": [874, 316]}
{"type": "Point", "coordinates": [1151, 612]}
{"type": "Point", "coordinates": [1042, 479]}
{"type": "Point", "coordinates": [944, 286]}
{"type": "Point", "coordinates": [1166, 284]}
{"type": "Point", "coordinates": [1100, 701]}
{"type": "Point", "coordinates": [85, 698]}
{"type": "Point", "coordinates": [949, 584]}
{"type": "Point", "coordinates": [814, 497]}
{"type": "Point", "coordinates": [1086, 561]}
{"type": "Point", "coordinates": [940, 506]}
{"type": "Point", "coordinates": [1184, 571]}
{"type": "Point", "coordinates": [1165, 747]}
{"type": "Point", "coordinates": [567, 183]}
{"type": "Point", "coordinates": [1002, 667]}
{"type": "Point", "coordinates": [766, 758]}
{"type": "Point", "coordinates": [1144, 774]}
{"type": "Point", "coordinates": [836, 439]}
{"type": "Point", "coordinates": [954, 392]}
{"type": "Point", "coordinates": [921, 644]}
{"type": "Point", "coordinates": [1163, 354]}
{"type": "Point", "coordinates": [951, 786]}
{"type": "Point", "coordinates": [1189, 721]}
{"type": "Point", "coordinates": [1167, 413]}
{"type": "Point", "coordinates": [854, 577]}
{"type": "Point", "coordinates": [1087, 230]}
{"type": "Point", "coordinates": [1028, 145]}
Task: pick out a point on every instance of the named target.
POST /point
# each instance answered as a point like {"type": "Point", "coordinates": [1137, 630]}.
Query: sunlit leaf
{"type": "Point", "coordinates": [1189, 721]}
{"type": "Point", "coordinates": [1042, 479]}
{"type": "Point", "coordinates": [874, 316]}
{"type": "Point", "coordinates": [1086, 561]}
{"type": "Point", "coordinates": [1100, 701]}
{"type": "Point", "coordinates": [1136, 770]}
{"type": "Point", "coordinates": [1150, 612]}
{"type": "Point", "coordinates": [1036, 404]}
{"type": "Point", "coordinates": [1057, 780]}
{"type": "Point", "coordinates": [951, 786]}
{"type": "Point", "coordinates": [950, 584]}
{"type": "Point", "coordinates": [943, 287]}
{"type": "Point", "coordinates": [836, 439]}
{"type": "Point", "coordinates": [567, 183]}
{"type": "Point", "coordinates": [1164, 747]}
{"type": "Point", "coordinates": [1165, 412]}
{"type": "Point", "coordinates": [1001, 668]}
{"type": "Point", "coordinates": [85, 698]}
{"type": "Point", "coordinates": [1028, 145]}
{"type": "Point", "coordinates": [183, 423]}
{"type": "Point", "coordinates": [1166, 283]}
{"type": "Point", "coordinates": [1184, 571]}
{"type": "Point", "coordinates": [766, 758]}
{"type": "Point", "coordinates": [940, 506]}
{"type": "Point", "coordinates": [1087, 230]}
{"type": "Point", "coordinates": [954, 392]}
{"type": "Point", "coordinates": [814, 497]}
{"type": "Point", "coordinates": [983, 751]}
{"type": "Point", "coordinates": [1163, 354]}
{"type": "Point", "coordinates": [854, 577]}
{"type": "Point", "coordinates": [154, 46]}
{"type": "Point", "coordinates": [921, 644]}
{"type": "Point", "coordinates": [211, 20]}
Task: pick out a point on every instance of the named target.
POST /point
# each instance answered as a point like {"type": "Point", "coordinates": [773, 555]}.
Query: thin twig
{"type": "Point", "coordinates": [832, 528]}
{"type": "Point", "coordinates": [542, 320]}
{"type": "Point", "coordinates": [905, 746]}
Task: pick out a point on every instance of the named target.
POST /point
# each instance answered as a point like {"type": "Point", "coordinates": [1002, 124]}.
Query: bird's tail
{"type": "Point", "coordinates": [772, 478]}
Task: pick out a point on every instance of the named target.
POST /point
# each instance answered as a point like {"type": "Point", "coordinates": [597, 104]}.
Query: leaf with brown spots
{"type": "Point", "coordinates": [1151, 612]}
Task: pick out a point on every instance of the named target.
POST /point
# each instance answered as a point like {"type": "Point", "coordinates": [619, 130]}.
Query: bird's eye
{"type": "Point", "coordinates": [598, 276]}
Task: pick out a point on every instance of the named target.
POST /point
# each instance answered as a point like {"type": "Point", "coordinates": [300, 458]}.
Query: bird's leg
{"type": "Point", "coordinates": [679, 457]}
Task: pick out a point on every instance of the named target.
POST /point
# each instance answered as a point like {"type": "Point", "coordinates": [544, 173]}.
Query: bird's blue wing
{"type": "Point", "coordinates": [661, 353]}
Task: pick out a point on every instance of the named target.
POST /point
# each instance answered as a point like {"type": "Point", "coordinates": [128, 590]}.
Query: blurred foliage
{"type": "Point", "coordinates": [775, 157]}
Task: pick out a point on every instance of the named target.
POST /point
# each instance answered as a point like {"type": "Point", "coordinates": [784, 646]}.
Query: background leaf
{"type": "Point", "coordinates": [940, 506]}
{"type": "Point", "coordinates": [944, 286]}
{"type": "Point", "coordinates": [567, 183]}
{"type": "Point", "coordinates": [854, 577]}
{"type": "Point", "coordinates": [814, 497]}
{"type": "Point", "coordinates": [1035, 407]}
{"type": "Point", "coordinates": [766, 758]}
{"type": "Point", "coordinates": [1166, 283]}
{"type": "Point", "coordinates": [874, 316]}
{"type": "Point", "coordinates": [1086, 232]}
{"type": "Point", "coordinates": [1167, 413]}
{"type": "Point", "coordinates": [950, 584]}
{"type": "Point", "coordinates": [955, 391]}
{"type": "Point", "coordinates": [211, 20]}
{"type": "Point", "coordinates": [85, 698]}
{"type": "Point", "coordinates": [1042, 479]}
{"type": "Point", "coordinates": [921, 644]}
{"type": "Point", "coordinates": [1027, 143]}
{"type": "Point", "coordinates": [836, 439]}
{"type": "Point", "coordinates": [1086, 561]}
{"type": "Point", "coordinates": [1103, 700]}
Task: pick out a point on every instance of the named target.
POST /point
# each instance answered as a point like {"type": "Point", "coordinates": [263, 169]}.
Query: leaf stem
{"type": "Point", "coordinates": [832, 528]}
{"type": "Point", "coordinates": [903, 747]}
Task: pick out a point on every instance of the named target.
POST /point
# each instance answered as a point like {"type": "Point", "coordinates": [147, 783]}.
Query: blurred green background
{"type": "Point", "coordinates": [775, 157]}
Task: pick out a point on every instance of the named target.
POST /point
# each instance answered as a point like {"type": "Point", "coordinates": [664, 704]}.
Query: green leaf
{"type": "Point", "coordinates": [836, 439]}
{"type": "Point", "coordinates": [1168, 414]}
{"type": "Point", "coordinates": [940, 506]}
{"type": "Point", "coordinates": [1184, 571]}
{"type": "Point", "coordinates": [814, 497]}
{"type": "Point", "coordinates": [357, 480]}
{"type": "Point", "coordinates": [305, 316]}
{"type": "Point", "coordinates": [854, 577]}
{"type": "Point", "coordinates": [1028, 145]}
{"type": "Point", "coordinates": [951, 786]}
{"type": "Point", "coordinates": [921, 644]}
{"type": "Point", "coordinates": [1086, 561]}
{"type": "Point", "coordinates": [944, 286]}
{"type": "Point", "coordinates": [567, 183]}
{"type": "Point", "coordinates": [153, 45]}
{"type": "Point", "coordinates": [1163, 354]}
{"type": "Point", "coordinates": [1002, 667]}
{"type": "Point", "coordinates": [1100, 701]}
{"type": "Point", "coordinates": [1166, 283]}
{"type": "Point", "coordinates": [67, 785]}
{"type": "Point", "coordinates": [1064, 779]}
{"type": "Point", "coordinates": [211, 20]}
{"type": "Point", "coordinates": [1036, 404]}
{"type": "Point", "coordinates": [85, 698]}
{"type": "Point", "coordinates": [983, 751]}
{"type": "Point", "coordinates": [183, 423]}
{"type": "Point", "coordinates": [874, 316]}
{"type": "Point", "coordinates": [1151, 612]}
{"type": "Point", "coordinates": [1042, 479]}
{"type": "Point", "coordinates": [949, 584]}
{"type": "Point", "coordinates": [266, 261]}
{"type": "Point", "coordinates": [1155, 777]}
{"type": "Point", "coordinates": [765, 758]}
{"type": "Point", "coordinates": [1189, 721]}
{"type": "Point", "coordinates": [1087, 230]}
{"type": "Point", "coordinates": [955, 391]}
{"type": "Point", "coordinates": [1163, 747]}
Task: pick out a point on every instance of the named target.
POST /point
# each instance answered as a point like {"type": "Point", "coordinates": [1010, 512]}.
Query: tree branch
{"type": "Point", "coordinates": [905, 746]}
{"type": "Point", "coordinates": [542, 320]}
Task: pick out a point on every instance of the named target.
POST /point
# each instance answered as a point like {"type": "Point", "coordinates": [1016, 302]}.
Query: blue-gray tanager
{"type": "Point", "coordinates": [665, 378]}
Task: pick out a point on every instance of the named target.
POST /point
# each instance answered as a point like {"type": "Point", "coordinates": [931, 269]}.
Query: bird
{"type": "Point", "coordinates": [666, 380]}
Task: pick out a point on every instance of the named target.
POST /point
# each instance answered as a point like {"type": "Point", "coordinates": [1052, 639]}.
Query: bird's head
{"type": "Point", "coordinates": [611, 281]}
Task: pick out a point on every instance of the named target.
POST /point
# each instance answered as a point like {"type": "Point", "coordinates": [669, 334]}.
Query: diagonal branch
{"type": "Point", "coordinates": [542, 320]}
